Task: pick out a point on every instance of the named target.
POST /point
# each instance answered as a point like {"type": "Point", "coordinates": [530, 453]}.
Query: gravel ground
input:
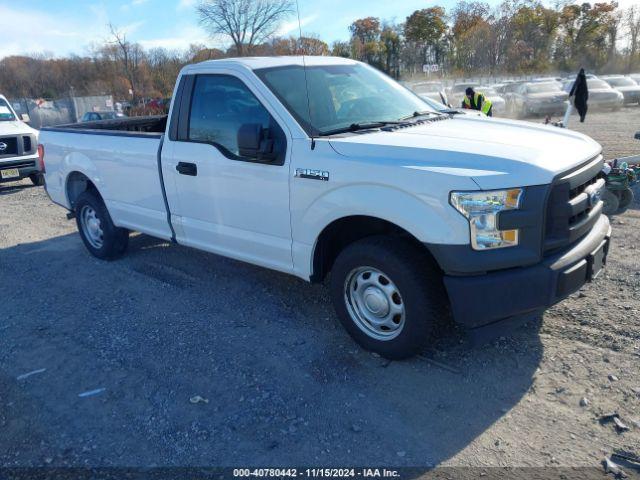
{"type": "Point", "coordinates": [281, 382]}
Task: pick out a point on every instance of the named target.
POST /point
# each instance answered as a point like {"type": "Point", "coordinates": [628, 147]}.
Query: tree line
{"type": "Point", "coordinates": [472, 38]}
{"type": "Point", "coordinates": [516, 37]}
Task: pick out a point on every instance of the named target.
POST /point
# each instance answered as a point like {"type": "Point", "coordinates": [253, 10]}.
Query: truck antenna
{"type": "Point", "coordinates": [306, 82]}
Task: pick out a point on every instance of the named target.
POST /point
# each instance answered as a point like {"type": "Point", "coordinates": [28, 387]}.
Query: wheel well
{"type": "Point", "coordinates": [76, 184]}
{"type": "Point", "coordinates": [343, 232]}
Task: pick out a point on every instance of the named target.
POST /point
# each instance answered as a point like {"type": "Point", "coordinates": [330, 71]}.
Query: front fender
{"type": "Point", "coordinates": [426, 218]}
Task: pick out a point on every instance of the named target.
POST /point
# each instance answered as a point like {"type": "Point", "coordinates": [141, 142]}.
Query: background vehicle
{"type": "Point", "coordinates": [94, 116]}
{"type": "Point", "coordinates": [18, 147]}
{"type": "Point", "coordinates": [626, 85]}
{"type": "Point", "coordinates": [451, 110]}
{"type": "Point", "coordinates": [601, 95]}
{"type": "Point", "coordinates": [430, 90]}
{"type": "Point", "coordinates": [537, 98]}
{"type": "Point", "coordinates": [546, 80]}
{"type": "Point", "coordinates": [403, 208]}
{"type": "Point", "coordinates": [506, 90]}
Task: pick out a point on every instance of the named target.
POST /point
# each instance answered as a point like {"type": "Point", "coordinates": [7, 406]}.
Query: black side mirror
{"type": "Point", "coordinates": [637, 136]}
{"type": "Point", "coordinates": [254, 142]}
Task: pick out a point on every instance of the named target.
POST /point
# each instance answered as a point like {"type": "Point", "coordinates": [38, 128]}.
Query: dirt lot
{"type": "Point", "coordinates": [283, 383]}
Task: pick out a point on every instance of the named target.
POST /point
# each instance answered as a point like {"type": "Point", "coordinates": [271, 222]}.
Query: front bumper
{"type": "Point", "coordinates": [546, 108]}
{"type": "Point", "coordinates": [26, 166]}
{"type": "Point", "coordinates": [487, 304]}
{"type": "Point", "coordinates": [597, 103]}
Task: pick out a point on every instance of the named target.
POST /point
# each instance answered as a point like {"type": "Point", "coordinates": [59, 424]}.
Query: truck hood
{"type": "Point", "coordinates": [15, 127]}
{"type": "Point", "coordinates": [629, 88]}
{"type": "Point", "coordinates": [494, 153]}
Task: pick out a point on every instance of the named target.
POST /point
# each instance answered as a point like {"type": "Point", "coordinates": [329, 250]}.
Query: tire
{"type": "Point", "coordinates": [625, 198]}
{"type": "Point", "coordinates": [37, 179]}
{"type": "Point", "coordinates": [101, 237]}
{"type": "Point", "coordinates": [402, 286]}
{"type": "Point", "coordinates": [611, 202]}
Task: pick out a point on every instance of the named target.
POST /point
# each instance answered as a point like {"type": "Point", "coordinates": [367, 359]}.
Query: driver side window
{"type": "Point", "coordinates": [220, 105]}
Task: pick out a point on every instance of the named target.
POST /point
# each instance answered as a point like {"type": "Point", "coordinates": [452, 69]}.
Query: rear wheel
{"type": "Point", "coordinates": [388, 295]}
{"type": "Point", "coordinates": [101, 237]}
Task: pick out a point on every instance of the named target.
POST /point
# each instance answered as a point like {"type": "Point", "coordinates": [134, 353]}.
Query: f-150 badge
{"type": "Point", "coordinates": [312, 174]}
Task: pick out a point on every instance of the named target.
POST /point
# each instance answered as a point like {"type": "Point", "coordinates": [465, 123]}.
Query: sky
{"type": "Point", "coordinates": [64, 27]}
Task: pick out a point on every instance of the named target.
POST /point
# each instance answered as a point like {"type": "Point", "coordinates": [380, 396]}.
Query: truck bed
{"type": "Point", "coordinates": [121, 157]}
{"type": "Point", "coordinates": [152, 126]}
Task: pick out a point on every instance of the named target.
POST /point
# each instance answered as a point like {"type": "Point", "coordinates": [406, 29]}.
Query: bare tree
{"type": "Point", "coordinates": [632, 24]}
{"type": "Point", "coordinates": [130, 56]}
{"type": "Point", "coordinates": [247, 22]}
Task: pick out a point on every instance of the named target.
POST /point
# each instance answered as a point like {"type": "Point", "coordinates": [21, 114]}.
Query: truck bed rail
{"type": "Point", "coordinates": [150, 126]}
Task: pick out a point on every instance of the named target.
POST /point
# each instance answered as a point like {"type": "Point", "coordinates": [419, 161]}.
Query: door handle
{"type": "Point", "coordinates": [185, 168]}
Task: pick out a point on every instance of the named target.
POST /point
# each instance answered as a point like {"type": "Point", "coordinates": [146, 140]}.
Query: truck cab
{"type": "Point", "coordinates": [326, 169]}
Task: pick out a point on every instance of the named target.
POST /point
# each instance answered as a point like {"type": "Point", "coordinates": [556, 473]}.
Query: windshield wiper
{"type": "Point", "coordinates": [419, 114]}
{"type": "Point", "coordinates": [451, 111]}
{"type": "Point", "coordinates": [354, 127]}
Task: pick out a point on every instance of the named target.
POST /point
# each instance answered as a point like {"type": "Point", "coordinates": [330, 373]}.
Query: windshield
{"type": "Point", "coordinates": [340, 96]}
{"type": "Point", "coordinates": [427, 88]}
{"type": "Point", "coordinates": [621, 82]}
{"type": "Point", "coordinates": [435, 105]}
{"type": "Point", "coordinates": [488, 91]}
{"type": "Point", "coordinates": [543, 87]}
{"type": "Point", "coordinates": [594, 83]}
{"type": "Point", "coordinates": [6, 114]}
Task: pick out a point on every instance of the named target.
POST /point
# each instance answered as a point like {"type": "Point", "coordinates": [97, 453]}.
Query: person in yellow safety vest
{"type": "Point", "coordinates": [477, 101]}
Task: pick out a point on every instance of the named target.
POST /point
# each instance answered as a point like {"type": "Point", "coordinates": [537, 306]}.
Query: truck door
{"type": "Point", "coordinates": [230, 200]}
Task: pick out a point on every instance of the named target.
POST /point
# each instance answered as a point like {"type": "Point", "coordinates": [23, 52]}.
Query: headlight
{"type": "Point", "coordinates": [481, 209]}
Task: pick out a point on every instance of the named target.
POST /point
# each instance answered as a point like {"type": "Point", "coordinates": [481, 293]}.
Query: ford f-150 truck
{"type": "Point", "coordinates": [18, 147]}
{"type": "Point", "coordinates": [325, 168]}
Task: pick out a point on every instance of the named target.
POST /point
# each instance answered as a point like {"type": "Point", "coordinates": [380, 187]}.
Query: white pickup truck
{"type": "Point", "coordinates": [18, 147]}
{"type": "Point", "coordinates": [330, 169]}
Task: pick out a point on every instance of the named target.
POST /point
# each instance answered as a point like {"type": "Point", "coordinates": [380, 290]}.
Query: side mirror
{"type": "Point", "coordinates": [253, 142]}
{"type": "Point", "coordinates": [25, 117]}
{"type": "Point", "coordinates": [637, 136]}
{"type": "Point", "coordinates": [443, 98]}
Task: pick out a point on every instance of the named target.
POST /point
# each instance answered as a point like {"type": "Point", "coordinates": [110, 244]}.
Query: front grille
{"type": "Point", "coordinates": [572, 207]}
{"type": "Point", "coordinates": [9, 146]}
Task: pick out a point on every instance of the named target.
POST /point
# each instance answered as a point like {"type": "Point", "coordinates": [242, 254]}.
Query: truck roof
{"type": "Point", "coordinates": [255, 63]}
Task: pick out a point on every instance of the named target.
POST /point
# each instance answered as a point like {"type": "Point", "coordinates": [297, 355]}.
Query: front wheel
{"type": "Point", "coordinates": [388, 295]}
{"type": "Point", "coordinates": [37, 179]}
{"type": "Point", "coordinates": [101, 237]}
